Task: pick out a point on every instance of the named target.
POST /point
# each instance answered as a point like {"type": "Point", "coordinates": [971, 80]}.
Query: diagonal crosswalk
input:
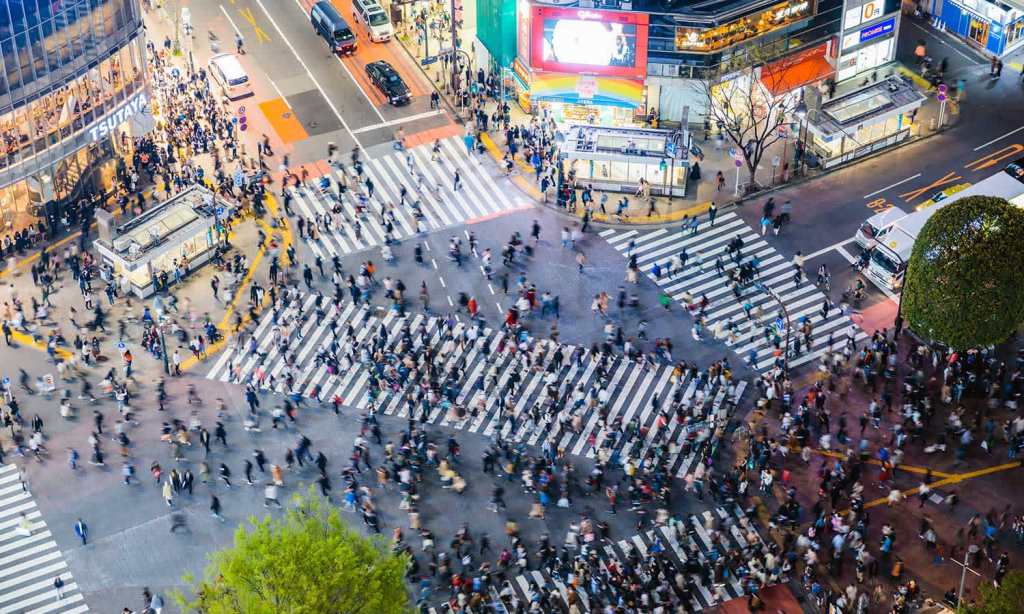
{"type": "Point", "coordinates": [698, 546]}
{"type": "Point", "coordinates": [803, 300]}
{"type": "Point", "coordinates": [343, 228]}
{"type": "Point", "coordinates": [651, 411]}
{"type": "Point", "coordinates": [29, 557]}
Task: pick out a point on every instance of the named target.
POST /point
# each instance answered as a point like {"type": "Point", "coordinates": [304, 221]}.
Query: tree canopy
{"type": "Point", "coordinates": [1005, 599]}
{"type": "Point", "coordinates": [308, 561]}
{"type": "Point", "coordinates": [964, 284]}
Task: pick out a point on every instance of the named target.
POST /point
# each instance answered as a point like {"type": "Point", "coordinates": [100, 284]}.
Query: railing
{"type": "Point", "coordinates": [866, 149]}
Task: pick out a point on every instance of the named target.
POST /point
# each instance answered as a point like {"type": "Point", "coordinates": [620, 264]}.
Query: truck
{"type": "Point", "coordinates": [892, 247]}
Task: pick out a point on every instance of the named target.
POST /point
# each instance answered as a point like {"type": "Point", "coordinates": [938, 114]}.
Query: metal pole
{"type": "Point", "coordinates": [963, 578]}
{"type": "Point", "coordinates": [163, 350]}
{"type": "Point", "coordinates": [942, 112]}
{"type": "Point", "coordinates": [736, 191]}
{"type": "Point", "coordinates": [455, 64]}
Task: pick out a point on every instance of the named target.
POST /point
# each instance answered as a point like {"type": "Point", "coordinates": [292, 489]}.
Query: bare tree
{"type": "Point", "coordinates": [748, 113]}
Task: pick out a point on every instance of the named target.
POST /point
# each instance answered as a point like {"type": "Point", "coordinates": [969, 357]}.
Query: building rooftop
{"type": "Point", "coordinates": [843, 114]}
{"type": "Point", "coordinates": [177, 217]}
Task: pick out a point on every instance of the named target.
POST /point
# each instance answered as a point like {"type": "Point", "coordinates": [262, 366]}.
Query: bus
{"type": "Point", "coordinates": [892, 246]}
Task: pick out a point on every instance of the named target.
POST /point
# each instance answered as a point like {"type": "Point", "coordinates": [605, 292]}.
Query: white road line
{"type": "Point", "coordinates": [942, 42]}
{"type": "Point", "coordinates": [999, 138]}
{"type": "Point", "coordinates": [279, 93]}
{"type": "Point", "coordinates": [330, 103]}
{"type": "Point", "coordinates": [400, 120]}
{"type": "Point", "coordinates": [889, 187]}
{"type": "Point", "coordinates": [230, 21]}
{"type": "Point", "coordinates": [825, 250]}
{"type": "Point", "coordinates": [846, 254]}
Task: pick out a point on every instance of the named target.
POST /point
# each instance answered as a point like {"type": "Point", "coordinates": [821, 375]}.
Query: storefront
{"type": "Point", "coordinates": [69, 138]}
{"type": "Point", "coordinates": [617, 159]}
{"type": "Point", "coordinates": [737, 31]}
{"type": "Point", "coordinates": [581, 66]}
{"type": "Point", "coordinates": [861, 122]}
{"type": "Point", "coordinates": [995, 27]}
{"type": "Point", "coordinates": [183, 230]}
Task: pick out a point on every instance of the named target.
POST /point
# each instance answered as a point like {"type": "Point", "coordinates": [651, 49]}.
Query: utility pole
{"type": "Point", "coordinates": [454, 56]}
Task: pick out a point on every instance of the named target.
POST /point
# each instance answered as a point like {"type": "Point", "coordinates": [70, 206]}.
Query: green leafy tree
{"type": "Point", "coordinates": [964, 285]}
{"type": "Point", "coordinates": [307, 562]}
{"type": "Point", "coordinates": [1005, 599]}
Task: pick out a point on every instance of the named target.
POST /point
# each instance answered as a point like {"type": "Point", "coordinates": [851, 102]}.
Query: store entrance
{"type": "Point", "coordinates": [977, 31]}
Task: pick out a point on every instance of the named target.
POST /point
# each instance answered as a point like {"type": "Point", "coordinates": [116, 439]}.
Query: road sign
{"type": "Point", "coordinates": [219, 211]}
{"type": "Point", "coordinates": [238, 178]}
{"type": "Point", "coordinates": [782, 131]}
{"type": "Point", "coordinates": [776, 161]}
{"type": "Point", "coordinates": [120, 345]}
{"type": "Point", "coordinates": [942, 88]}
{"type": "Point", "coordinates": [732, 152]}
{"type": "Point", "coordinates": [739, 163]}
{"type": "Point", "coordinates": [941, 97]}
{"type": "Point", "coordinates": [6, 382]}
{"type": "Point", "coordinates": [241, 110]}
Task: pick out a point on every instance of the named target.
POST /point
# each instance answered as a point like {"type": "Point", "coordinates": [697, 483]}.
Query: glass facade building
{"type": "Point", "coordinates": [67, 68]}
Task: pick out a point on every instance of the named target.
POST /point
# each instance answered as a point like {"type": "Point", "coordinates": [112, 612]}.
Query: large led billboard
{"type": "Point", "coordinates": [580, 40]}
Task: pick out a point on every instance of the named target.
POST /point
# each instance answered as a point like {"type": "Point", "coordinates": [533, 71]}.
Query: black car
{"type": "Point", "coordinates": [388, 81]}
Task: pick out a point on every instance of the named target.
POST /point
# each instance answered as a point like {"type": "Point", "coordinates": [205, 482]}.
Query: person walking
{"type": "Point", "coordinates": [58, 585]}
{"type": "Point", "coordinates": [215, 508]}
{"type": "Point", "coordinates": [82, 531]}
{"type": "Point", "coordinates": [168, 493]}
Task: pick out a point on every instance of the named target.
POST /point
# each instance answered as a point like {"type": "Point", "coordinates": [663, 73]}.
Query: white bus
{"type": "Point", "coordinates": [893, 245]}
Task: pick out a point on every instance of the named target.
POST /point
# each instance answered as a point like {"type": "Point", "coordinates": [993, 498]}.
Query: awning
{"type": "Point", "coordinates": [587, 89]}
{"type": "Point", "coordinates": [798, 75]}
{"type": "Point", "coordinates": [796, 71]}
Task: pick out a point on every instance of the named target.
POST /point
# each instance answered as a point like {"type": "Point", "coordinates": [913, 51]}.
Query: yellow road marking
{"type": "Point", "coordinates": [953, 479]}
{"type": "Point", "coordinates": [247, 15]}
{"type": "Point", "coordinates": [224, 327]}
{"type": "Point", "coordinates": [878, 463]}
{"type": "Point", "coordinates": [25, 339]}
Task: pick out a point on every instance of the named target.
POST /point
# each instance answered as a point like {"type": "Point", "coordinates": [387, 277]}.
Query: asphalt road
{"type": "Point", "coordinates": [331, 97]}
{"type": "Point", "coordinates": [989, 134]}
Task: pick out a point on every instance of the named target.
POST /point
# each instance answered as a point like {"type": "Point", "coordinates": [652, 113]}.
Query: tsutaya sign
{"type": "Point", "coordinates": [106, 126]}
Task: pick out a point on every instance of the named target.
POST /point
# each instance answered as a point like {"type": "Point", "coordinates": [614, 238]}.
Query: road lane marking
{"type": "Point", "coordinates": [946, 44]}
{"type": "Point", "coordinates": [400, 120]}
{"type": "Point", "coordinates": [305, 12]}
{"type": "Point", "coordinates": [889, 187]}
{"type": "Point", "coordinates": [999, 138]}
{"type": "Point", "coordinates": [825, 250]}
{"type": "Point", "coordinates": [948, 178]}
{"type": "Point", "coordinates": [302, 63]}
{"type": "Point", "coordinates": [230, 21]}
{"type": "Point", "coordinates": [995, 158]}
{"type": "Point", "coordinates": [247, 15]}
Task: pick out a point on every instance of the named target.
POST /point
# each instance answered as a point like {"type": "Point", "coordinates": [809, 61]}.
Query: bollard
{"type": "Point", "coordinates": [931, 124]}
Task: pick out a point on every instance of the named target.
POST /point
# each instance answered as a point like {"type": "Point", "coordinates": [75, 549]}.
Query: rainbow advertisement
{"type": "Point", "coordinates": [587, 89]}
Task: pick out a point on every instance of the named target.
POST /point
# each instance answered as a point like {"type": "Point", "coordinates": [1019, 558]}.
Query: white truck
{"type": "Point", "coordinates": [894, 241]}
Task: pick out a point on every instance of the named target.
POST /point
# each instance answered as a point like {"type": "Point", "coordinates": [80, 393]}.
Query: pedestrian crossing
{"type": "Point", "coordinates": [713, 551]}
{"type": "Point", "coordinates": [651, 409]}
{"type": "Point", "coordinates": [342, 229]}
{"type": "Point", "coordinates": [29, 558]}
{"type": "Point", "coordinates": [803, 299]}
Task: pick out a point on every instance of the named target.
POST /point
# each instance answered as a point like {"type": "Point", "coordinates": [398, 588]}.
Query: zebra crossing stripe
{"type": "Point", "coordinates": [631, 387]}
{"type": "Point", "coordinates": [29, 557]}
{"type": "Point", "coordinates": [802, 299]}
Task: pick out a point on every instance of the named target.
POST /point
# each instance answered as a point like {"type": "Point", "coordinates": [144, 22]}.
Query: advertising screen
{"type": "Point", "coordinates": [599, 42]}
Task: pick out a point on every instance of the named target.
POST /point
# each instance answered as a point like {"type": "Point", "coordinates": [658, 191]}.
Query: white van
{"type": "Point", "coordinates": [372, 15]}
{"type": "Point", "coordinates": [876, 226]}
{"type": "Point", "coordinates": [227, 71]}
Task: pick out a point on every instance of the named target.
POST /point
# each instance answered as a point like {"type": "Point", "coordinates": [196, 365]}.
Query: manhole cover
{"type": "Point", "coordinates": [286, 115]}
{"type": "Point", "coordinates": [314, 124]}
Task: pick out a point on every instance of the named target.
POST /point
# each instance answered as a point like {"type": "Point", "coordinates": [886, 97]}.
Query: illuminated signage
{"type": "Point", "coordinates": [871, 10]}
{"type": "Point", "coordinates": [586, 41]}
{"type": "Point", "coordinates": [106, 126]}
{"type": "Point", "coordinates": [745, 28]}
{"type": "Point", "coordinates": [879, 29]}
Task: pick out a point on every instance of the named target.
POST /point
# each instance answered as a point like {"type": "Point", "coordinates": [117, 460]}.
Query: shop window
{"type": "Point", "coordinates": [977, 31]}
{"type": "Point", "coordinates": [1013, 31]}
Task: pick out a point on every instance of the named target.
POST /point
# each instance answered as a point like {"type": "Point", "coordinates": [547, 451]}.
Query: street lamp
{"type": "Point", "coordinates": [785, 316]}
